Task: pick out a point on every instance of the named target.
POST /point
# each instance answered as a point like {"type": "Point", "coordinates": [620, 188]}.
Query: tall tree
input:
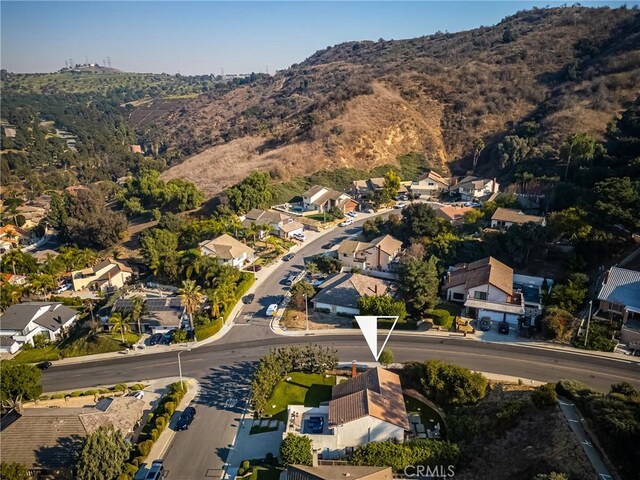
{"type": "Point", "coordinates": [138, 309]}
{"type": "Point", "coordinates": [159, 249]}
{"type": "Point", "coordinates": [104, 455]}
{"type": "Point", "coordinates": [19, 382]}
{"type": "Point", "coordinates": [191, 298]}
{"type": "Point", "coordinates": [119, 323]}
{"type": "Point", "coordinates": [418, 283]}
{"type": "Point", "coordinates": [478, 146]}
{"type": "Point", "coordinates": [578, 147]}
{"type": "Point", "coordinates": [14, 471]}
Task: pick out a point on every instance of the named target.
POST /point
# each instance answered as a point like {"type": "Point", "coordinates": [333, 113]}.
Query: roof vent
{"type": "Point", "coordinates": [347, 474]}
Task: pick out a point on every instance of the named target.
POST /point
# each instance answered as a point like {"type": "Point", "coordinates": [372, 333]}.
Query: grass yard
{"type": "Point", "coordinates": [308, 389]}
{"type": "Point", "coordinates": [36, 355]}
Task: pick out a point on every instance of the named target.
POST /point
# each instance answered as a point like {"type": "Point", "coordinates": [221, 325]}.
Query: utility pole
{"type": "Point", "coordinates": [306, 310]}
{"type": "Point", "coordinates": [180, 367]}
{"type": "Point", "coordinates": [586, 335]}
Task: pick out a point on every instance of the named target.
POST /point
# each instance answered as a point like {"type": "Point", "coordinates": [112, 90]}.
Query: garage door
{"type": "Point", "coordinates": [494, 316]}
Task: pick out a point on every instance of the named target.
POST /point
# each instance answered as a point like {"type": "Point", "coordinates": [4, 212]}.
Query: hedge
{"type": "Point", "coordinates": [440, 317]}
{"type": "Point", "coordinates": [209, 330]}
{"type": "Point", "coordinates": [387, 324]}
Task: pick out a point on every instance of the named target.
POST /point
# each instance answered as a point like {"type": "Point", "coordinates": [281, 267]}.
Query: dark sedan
{"type": "Point", "coordinates": [186, 418]}
{"type": "Point", "coordinates": [328, 246]}
{"type": "Point", "coordinates": [155, 339]}
{"type": "Point", "coordinates": [247, 299]}
{"type": "Point", "coordinates": [44, 365]}
{"type": "Point", "coordinates": [503, 328]}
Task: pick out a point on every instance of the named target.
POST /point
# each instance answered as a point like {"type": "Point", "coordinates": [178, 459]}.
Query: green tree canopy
{"type": "Point", "coordinates": [103, 456]}
{"type": "Point", "coordinates": [160, 251]}
{"type": "Point", "coordinates": [14, 471]}
{"type": "Point", "coordinates": [19, 382]}
{"type": "Point", "coordinates": [448, 384]}
{"type": "Point", "coordinates": [382, 305]}
{"type": "Point", "coordinates": [296, 450]}
{"type": "Point", "coordinates": [418, 283]}
{"type": "Point", "coordinates": [252, 192]}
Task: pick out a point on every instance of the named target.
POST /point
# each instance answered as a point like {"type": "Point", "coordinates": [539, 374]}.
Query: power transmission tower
{"type": "Point", "coordinates": [66, 63]}
{"type": "Point", "coordinates": [266, 67]}
{"type": "Point", "coordinates": [71, 64]}
{"type": "Point", "coordinates": [109, 61]}
{"type": "Point", "coordinates": [222, 71]}
{"type": "Point", "coordinates": [86, 59]}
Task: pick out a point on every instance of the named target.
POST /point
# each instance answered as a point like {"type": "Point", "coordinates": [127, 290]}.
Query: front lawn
{"type": "Point", "coordinates": [308, 389]}
{"type": "Point", "coordinates": [37, 355]}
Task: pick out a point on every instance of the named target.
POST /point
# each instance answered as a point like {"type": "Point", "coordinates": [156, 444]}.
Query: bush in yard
{"type": "Point", "coordinates": [136, 387]}
{"type": "Point", "coordinates": [398, 456]}
{"type": "Point", "coordinates": [245, 464]}
{"type": "Point", "coordinates": [440, 317]}
{"type": "Point", "coordinates": [382, 305]}
{"type": "Point", "coordinates": [507, 417]}
{"type": "Point", "coordinates": [13, 471]}
{"type": "Point", "coordinates": [76, 394]}
{"type": "Point", "coordinates": [121, 387]}
{"type": "Point", "coordinates": [161, 423]}
{"type": "Point", "coordinates": [447, 384]}
{"type": "Point", "coordinates": [130, 470]}
{"type": "Point", "coordinates": [89, 393]}
{"type": "Point", "coordinates": [386, 357]}
{"type": "Point", "coordinates": [138, 460]}
{"type": "Point", "coordinates": [57, 396]}
{"type": "Point", "coordinates": [557, 323]}
{"type": "Point", "coordinates": [154, 434]}
{"type": "Point", "coordinates": [625, 389]}
{"type": "Point", "coordinates": [170, 407]}
{"type": "Point", "coordinates": [544, 396]}
{"type": "Point", "coordinates": [296, 449]}
{"type": "Point", "coordinates": [145, 447]}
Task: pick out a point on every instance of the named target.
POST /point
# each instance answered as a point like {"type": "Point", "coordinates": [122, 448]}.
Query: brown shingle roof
{"type": "Point", "coordinates": [387, 244]}
{"type": "Point", "coordinates": [226, 247]}
{"type": "Point", "coordinates": [377, 393]}
{"type": "Point", "coordinates": [488, 270]}
{"type": "Point", "coordinates": [338, 472]}
{"type": "Point", "coordinates": [515, 216]}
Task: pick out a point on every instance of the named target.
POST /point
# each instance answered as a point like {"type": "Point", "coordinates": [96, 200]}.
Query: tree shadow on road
{"type": "Point", "coordinates": [227, 387]}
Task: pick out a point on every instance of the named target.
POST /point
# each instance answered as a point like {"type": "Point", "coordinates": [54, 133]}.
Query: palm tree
{"type": "Point", "coordinates": [191, 262]}
{"type": "Point", "coordinates": [138, 308]}
{"type": "Point", "coordinates": [84, 258]}
{"type": "Point", "coordinates": [42, 283]}
{"type": "Point", "coordinates": [119, 323]}
{"type": "Point", "coordinates": [191, 298]}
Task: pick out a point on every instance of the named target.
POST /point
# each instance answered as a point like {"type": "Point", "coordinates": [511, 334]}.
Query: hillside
{"type": "Point", "coordinates": [541, 74]}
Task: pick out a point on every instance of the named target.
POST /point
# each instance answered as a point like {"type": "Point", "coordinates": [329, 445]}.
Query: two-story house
{"type": "Point", "coordinates": [429, 185]}
{"type": "Point", "coordinates": [20, 323]}
{"type": "Point", "coordinates": [485, 288]}
{"type": "Point", "coordinates": [108, 275]}
{"type": "Point", "coordinates": [279, 223]}
{"type": "Point", "coordinates": [472, 188]}
{"type": "Point", "coordinates": [366, 408]}
{"type": "Point", "coordinates": [619, 296]}
{"type": "Point", "coordinates": [322, 199]}
{"type": "Point", "coordinates": [228, 251]}
{"type": "Point", "coordinates": [504, 218]}
{"type": "Point", "coordinates": [365, 188]}
{"type": "Point", "coordinates": [378, 254]}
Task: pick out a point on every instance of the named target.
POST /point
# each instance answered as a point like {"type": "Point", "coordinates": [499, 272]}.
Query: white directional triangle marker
{"type": "Point", "coordinates": [369, 327]}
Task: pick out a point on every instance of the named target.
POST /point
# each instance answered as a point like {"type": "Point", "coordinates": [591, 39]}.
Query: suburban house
{"type": "Point", "coordinates": [11, 237]}
{"type": "Point", "coordinates": [107, 276]}
{"type": "Point", "coordinates": [454, 214]}
{"type": "Point", "coordinates": [281, 224]}
{"type": "Point", "coordinates": [429, 185]}
{"type": "Point", "coordinates": [20, 323]}
{"type": "Point", "coordinates": [228, 251]}
{"type": "Point", "coordinates": [337, 472]}
{"type": "Point", "coordinates": [472, 188]}
{"type": "Point", "coordinates": [366, 408]}
{"type": "Point", "coordinates": [340, 293]}
{"type": "Point", "coordinates": [379, 254]}
{"type": "Point", "coordinates": [159, 315]}
{"type": "Point", "coordinates": [364, 188]}
{"type": "Point", "coordinates": [505, 217]}
{"type": "Point", "coordinates": [48, 441]}
{"type": "Point", "coordinates": [532, 288]}
{"type": "Point", "coordinates": [321, 199]}
{"type": "Point", "coordinates": [619, 296]}
{"type": "Point", "coordinates": [485, 288]}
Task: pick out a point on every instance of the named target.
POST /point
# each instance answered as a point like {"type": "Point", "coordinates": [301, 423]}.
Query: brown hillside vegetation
{"type": "Point", "coordinates": [360, 104]}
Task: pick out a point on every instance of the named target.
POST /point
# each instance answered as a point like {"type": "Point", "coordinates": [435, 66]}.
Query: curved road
{"type": "Point", "coordinates": [224, 369]}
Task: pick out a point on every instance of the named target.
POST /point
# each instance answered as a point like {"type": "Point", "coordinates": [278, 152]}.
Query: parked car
{"type": "Point", "coordinates": [485, 324]}
{"type": "Point", "coordinates": [301, 237]}
{"type": "Point", "coordinates": [346, 222]}
{"type": "Point", "coordinates": [369, 210]}
{"type": "Point", "coordinates": [352, 214]}
{"type": "Point", "coordinates": [167, 338]}
{"type": "Point", "coordinates": [328, 246]}
{"type": "Point", "coordinates": [63, 288]}
{"type": "Point", "coordinates": [185, 419]}
{"type": "Point", "coordinates": [155, 339]}
{"type": "Point", "coordinates": [288, 257]}
{"type": "Point", "coordinates": [472, 204]}
{"type": "Point", "coordinates": [156, 472]}
{"type": "Point", "coordinates": [503, 328]}
{"type": "Point", "coordinates": [315, 424]}
{"type": "Point", "coordinates": [247, 299]}
{"type": "Point", "coordinates": [400, 205]}
{"type": "Point", "coordinates": [272, 310]}
{"type": "Point", "coordinates": [152, 285]}
{"type": "Point", "coordinates": [44, 365]}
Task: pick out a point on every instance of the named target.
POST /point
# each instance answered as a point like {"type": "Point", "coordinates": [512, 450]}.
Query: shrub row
{"type": "Point", "coordinates": [121, 387]}
{"type": "Point", "coordinates": [157, 422]}
{"type": "Point", "coordinates": [441, 318]}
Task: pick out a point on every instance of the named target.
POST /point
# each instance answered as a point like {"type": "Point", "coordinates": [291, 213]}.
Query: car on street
{"type": "Point", "coordinates": [485, 324]}
{"type": "Point", "coordinates": [472, 204]}
{"type": "Point", "coordinates": [185, 419]}
{"type": "Point", "coordinates": [503, 328]}
{"type": "Point", "coordinates": [301, 237]}
{"type": "Point", "coordinates": [156, 472]}
{"type": "Point", "coordinates": [247, 299]}
{"type": "Point", "coordinates": [63, 288]}
{"type": "Point", "coordinates": [272, 310]}
{"type": "Point", "coordinates": [400, 205]}
{"type": "Point", "coordinates": [44, 365]}
{"type": "Point", "coordinates": [155, 339]}
{"type": "Point", "coordinates": [315, 424]}
{"type": "Point", "coordinates": [288, 257]}
{"type": "Point", "coordinates": [328, 246]}
{"type": "Point", "coordinates": [256, 268]}
{"type": "Point", "coordinates": [346, 222]}
{"type": "Point", "coordinates": [352, 214]}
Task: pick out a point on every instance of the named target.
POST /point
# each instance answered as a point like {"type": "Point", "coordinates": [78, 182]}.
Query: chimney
{"type": "Point", "coordinates": [354, 369]}
{"type": "Point", "coordinates": [314, 457]}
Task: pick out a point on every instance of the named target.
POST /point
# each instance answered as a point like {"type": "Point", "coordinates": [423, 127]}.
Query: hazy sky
{"type": "Point", "coordinates": [203, 37]}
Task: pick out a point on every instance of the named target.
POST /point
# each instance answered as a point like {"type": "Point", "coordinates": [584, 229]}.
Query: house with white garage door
{"type": "Point", "coordinates": [485, 288]}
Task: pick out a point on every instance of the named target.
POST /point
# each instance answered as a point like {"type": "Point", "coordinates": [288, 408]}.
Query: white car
{"type": "Point", "coordinates": [369, 210]}
{"type": "Point", "coordinates": [472, 204]}
{"type": "Point", "coordinates": [352, 214]}
{"type": "Point", "coordinates": [272, 310]}
{"type": "Point", "coordinates": [347, 222]}
{"type": "Point", "coordinates": [301, 237]}
{"type": "Point", "coordinates": [139, 394]}
{"type": "Point", "coordinates": [400, 205]}
{"type": "Point", "coordinates": [63, 288]}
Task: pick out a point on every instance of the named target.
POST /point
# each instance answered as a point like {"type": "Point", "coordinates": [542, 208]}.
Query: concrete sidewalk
{"type": "Point", "coordinates": [160, 446]}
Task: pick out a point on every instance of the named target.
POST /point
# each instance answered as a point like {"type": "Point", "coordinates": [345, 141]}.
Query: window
{"type": "Point", "coordinates": [457, 296]}
{"type": "Point", "coordinates": [480, 295]}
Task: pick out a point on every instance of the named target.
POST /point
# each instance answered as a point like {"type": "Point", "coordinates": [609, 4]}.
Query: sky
{"type": "Point", "coordinates": [209, 37]}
